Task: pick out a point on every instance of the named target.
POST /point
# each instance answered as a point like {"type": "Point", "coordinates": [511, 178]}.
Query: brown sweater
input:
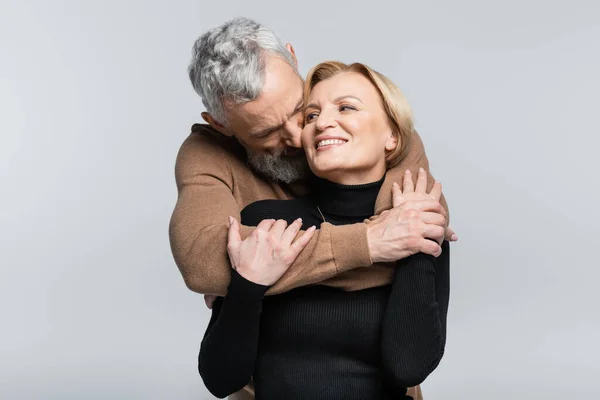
{"type": "Point", "coordinates": [214, 182]}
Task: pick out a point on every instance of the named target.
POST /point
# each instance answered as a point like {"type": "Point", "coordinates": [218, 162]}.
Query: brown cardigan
{"type": "Point", "coordinates": [214, 182]}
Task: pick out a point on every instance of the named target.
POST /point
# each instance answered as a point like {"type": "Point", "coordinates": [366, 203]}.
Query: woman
{"type": "Point", "coordinates": [320, 342]}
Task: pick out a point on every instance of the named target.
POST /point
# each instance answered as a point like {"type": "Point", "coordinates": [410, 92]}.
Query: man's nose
{"type": "Point", "coordinates": [292, 133]}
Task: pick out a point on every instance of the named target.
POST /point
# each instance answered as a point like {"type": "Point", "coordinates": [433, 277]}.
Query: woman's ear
{"type": "Point", "coordinates": [392, 142]}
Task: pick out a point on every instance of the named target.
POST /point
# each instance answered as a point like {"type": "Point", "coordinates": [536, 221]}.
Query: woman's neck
{"type": "Point", "coordinates": [353, 178]}
{"type": "Point", "coordinates": [346, 200]}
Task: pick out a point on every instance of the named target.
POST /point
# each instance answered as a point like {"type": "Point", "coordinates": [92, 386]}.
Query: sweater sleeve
{"type": "Point", "coordinates": [198, 226]}
{"type": "Point", "coordinates": [229, 348]}
{"type": "Point", "coordinates": [414, 323]}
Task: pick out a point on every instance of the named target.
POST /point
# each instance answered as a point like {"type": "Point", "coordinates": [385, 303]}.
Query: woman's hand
{"type": "Point", "coordinates": [268, 252]}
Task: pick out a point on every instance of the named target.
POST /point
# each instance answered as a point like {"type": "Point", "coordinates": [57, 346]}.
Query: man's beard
{"type": "Point", "coordinates": [279, 167]}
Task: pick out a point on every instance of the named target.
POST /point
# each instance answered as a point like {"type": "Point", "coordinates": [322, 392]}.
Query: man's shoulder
{"type": "Point", "coordinates": [207, 148]}
{"type": "Point", "coordinates": [205, 139]}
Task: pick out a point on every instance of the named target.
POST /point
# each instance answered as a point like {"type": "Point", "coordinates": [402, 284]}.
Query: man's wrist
{"type": "Point", "coordinates": [372, 245]}
{"type": "Point", "coordinates": [350, 246]}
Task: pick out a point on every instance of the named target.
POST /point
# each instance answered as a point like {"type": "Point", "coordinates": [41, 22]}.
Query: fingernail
{"type": "Point", "coordinates": [454, 237]}
{"type": "Point", "coordinates": [407, 171]}
{"type": "Point", "coordinates": [230, 220]}
{"type": "Point", "coordinates": [421, 169]}
{"type": "Point", "coordinates": [394, 184]}
{"type": "Point", "coordinates": [299, 219]}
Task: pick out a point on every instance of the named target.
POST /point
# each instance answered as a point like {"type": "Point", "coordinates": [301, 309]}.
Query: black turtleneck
{"type": "Point", "coordinates": [319, 342]}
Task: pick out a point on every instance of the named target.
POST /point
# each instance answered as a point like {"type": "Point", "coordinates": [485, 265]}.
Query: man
{"type": "Point", "coordinates": [252, 91]}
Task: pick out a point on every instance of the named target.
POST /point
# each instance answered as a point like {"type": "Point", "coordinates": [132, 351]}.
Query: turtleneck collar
{"type": "Point", "coordinates": [346, 200]}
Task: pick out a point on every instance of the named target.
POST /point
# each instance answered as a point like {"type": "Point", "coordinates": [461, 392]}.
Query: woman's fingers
{"type": "Point", "coordinates": [421, 186]}
{"type": "Point", "coordinates": [436, 190]}
{"type": "Point", "coordinates": [408, 185]}
{"type": "Point", "coordinates": [425, 205]}
{"type": "Point", "coordinates": [278, 228]}
{"type": "Point", "coordinates": [397, 198]}
{"type": "Point", "coordinates": [265, 224]}
{"type": "Point", "coordinates": [233, 234]}
{"type": "Point", "coordinates": [290, 233]}
{"type": "Point", "coordinates": [302, 241]}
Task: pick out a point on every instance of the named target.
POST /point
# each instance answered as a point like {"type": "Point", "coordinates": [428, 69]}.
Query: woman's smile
{"type": "Point", "coordinates": [324, 143]}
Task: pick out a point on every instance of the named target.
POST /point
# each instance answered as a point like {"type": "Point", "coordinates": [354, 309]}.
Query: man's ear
{"type": "Point", "coordinates": [215, 124]}
{"type": "Point", "coordinates": [291, 50]}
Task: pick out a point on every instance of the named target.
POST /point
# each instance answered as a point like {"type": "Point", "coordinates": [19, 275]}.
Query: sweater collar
{"type": "Point", "coordinates": [346, 200]}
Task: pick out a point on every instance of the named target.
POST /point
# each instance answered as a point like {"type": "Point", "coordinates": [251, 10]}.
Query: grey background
{"type": "Point", "coordinates": [95, 102]}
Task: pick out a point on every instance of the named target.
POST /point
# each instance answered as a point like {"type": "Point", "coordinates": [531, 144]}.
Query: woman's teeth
{"type": "Point", "coordinates": [330, 142]}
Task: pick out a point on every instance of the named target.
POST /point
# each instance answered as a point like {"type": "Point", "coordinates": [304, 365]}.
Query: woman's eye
{"type": "Point", "coordinates": [311, 117]}
{"type": "Point", "coordinates": [347, 108]}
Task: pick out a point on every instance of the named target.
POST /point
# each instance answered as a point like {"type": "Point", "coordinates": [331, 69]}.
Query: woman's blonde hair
{"type": "Point", "coordinates": [394, 103]}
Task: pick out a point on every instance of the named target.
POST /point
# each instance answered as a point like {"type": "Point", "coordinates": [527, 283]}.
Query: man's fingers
{"type": "Point", "coordinates": [421, 186]}
{"type": "Point", "coordinates": [436, 190]}
{"type": "Point", "coordinates": [451, 235]}
{"type": "Point", "coordinates": [302, 241]}
{"type": "Point", "coordinates": [433, 218]}
{"type": "Point", "coordinates": [408, 185]}
{"type": "Point", "coordinates": [290, 233]}
{"type": "Point", "coordinates": [396, 195]}
{"type": "Point", "coordinates": [434, 232]}
{"type": "Point", "coordinates": [209, 300]}
{"type": "Point", "coordinates": [430, 247]}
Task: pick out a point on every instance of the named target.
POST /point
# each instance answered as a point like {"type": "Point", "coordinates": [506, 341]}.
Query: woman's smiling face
{"type": "Point", "coordinates": [347, 131]}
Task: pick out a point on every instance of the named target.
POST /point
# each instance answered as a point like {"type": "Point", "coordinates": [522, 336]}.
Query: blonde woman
{"type": "Point", "coordinates": [321, 342]}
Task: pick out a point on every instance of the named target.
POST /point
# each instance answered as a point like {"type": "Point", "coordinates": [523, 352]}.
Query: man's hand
{"type": "Point", "coordinates": [209, 300]}
{"type": "Point", "coordinates": [269, 250]}
{"type": "Point", "coordinates": [405, 230]}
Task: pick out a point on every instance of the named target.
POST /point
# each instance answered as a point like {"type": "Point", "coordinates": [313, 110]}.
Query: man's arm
{"type": "Point", "coordinates": [198, 228]}
{"type": "Point", "coordinates": [199, 224]}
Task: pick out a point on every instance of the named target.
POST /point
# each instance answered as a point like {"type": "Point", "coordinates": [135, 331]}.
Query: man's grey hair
{"type": "Point", "coordinates": [228, 64]}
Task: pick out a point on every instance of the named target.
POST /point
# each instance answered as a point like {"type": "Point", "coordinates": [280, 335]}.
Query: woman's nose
{"type": "Point", "coordinates": [324, 121]}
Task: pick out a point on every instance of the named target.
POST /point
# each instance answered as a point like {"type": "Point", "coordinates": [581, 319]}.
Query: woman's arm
{"type": "Point", "coordinates": [229, 348]}
{"type": "Point", "coordinates": [414, 323]}
{"type": "Point", "coordinates": [228, 351]}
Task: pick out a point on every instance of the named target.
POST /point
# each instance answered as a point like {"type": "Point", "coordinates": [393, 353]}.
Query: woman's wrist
{"type": "Point", "coordinates": [245, 289]}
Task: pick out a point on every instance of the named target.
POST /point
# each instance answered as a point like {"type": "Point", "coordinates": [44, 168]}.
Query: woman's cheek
{"type": "Point", "coordinates": [306, 137]}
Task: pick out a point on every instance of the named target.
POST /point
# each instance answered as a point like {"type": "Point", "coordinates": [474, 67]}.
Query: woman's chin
{"type": "Point", "coordinates": [328, 172]}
